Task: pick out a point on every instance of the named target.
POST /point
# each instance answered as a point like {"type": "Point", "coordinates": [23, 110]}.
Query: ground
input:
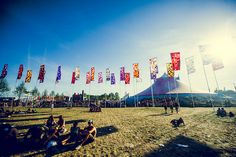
{"type": "Point", "coordinates": [143, 132]}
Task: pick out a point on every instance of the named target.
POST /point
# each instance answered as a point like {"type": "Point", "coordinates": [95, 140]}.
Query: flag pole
{"type": "Point", "coordinates": [222, 104]}
{"type": "Point", "coordinates": [134, 93]}
{"type": "Point", "coordinates": [190, 87]}
{"type": "Point", "coordinates": [177, 92]}
{"type": "Point", "coordinates": [151, 89]}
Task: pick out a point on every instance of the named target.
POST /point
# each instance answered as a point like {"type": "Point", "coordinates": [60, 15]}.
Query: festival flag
{"type": "Point", "coordinates": [100, 79]}
{"type": "Point", "coordinates": [41, 73]}
{"type": "Point", "coordinates": [108, 74]}
{"type": "Point", "coordinates": [175, 58]}
{"type": "Point", "coordinates": [190, 65]}
{"type": "Point", "coordinates": [4, 71]}
{"type": "Point", "coordinates": [113, 80]}
{"type": "Point", "coordinates": [170, 71]}
{"type": "Point", "coordinates": [205, 54]}
{"type": "Point", "coordinates": [217, 64]}
{"type": "Point", "coordinates": [153, 68]}
{"type": "Point", "coordinates": [73, 78]}
{"type": "Point", "coordinates": [127, 78]}
{"type": "Point", "coordinates": [58, 74]}
{"type": "Point", "coordinates": [136, 70]}
{"type": "Point", "coordinates": [20, 72]}
{"type": "Point", "coordinates": [122, 73]}
{"type": "Point", "coordinates": [28, 76]}
{"type": "Point", "coordinates": [92, 73]}
{"type": "Point", "coordinates": [77, 73]}
{"type": "Point", "coordinates": [88, 78]}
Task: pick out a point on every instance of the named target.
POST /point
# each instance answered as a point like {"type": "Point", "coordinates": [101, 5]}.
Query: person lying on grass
{"type": "Point", "coordinates": [34, 136]}
{"type": "Point", "coordinates": [74, 134]}
{"type": "Point", "coordinates": [88, 135]}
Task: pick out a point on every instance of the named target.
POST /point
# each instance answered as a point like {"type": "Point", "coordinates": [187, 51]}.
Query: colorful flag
{"type": "Point", "coordinates": [58, 74]}
{"type": "Point", "coordinates": [122, 73]}
{"type": "Point", "coordinates": [108, 74]}
{"type": "Point", "coordinates": [20, 71]}
{"type": "Point", "coordinates": [127, 78]}
{"type": "Point", "coordinates": [92, 73]}
{"type": "Point", "coordinates": [88, 78]}
{"type": "Point", "coordinates": [136, 70]}
{"type": "Point", "coordinates": [217, 64]}
{"type": "Point", "coordinates": [100, 79]}
{"type": "Point", "coordinates": [170, 71]}
{"type": "Point", "coordinates": [4, 71]}
{"type": "Point", "coordinates": [73, 78]}
{"type": "Point", "coordinates": [153, 68]}
{"type": "Point", "coordinates": [28, 76]}
{"type": "Point", "coordinates": [41, 73]}
{"type": "Point", "coordinates": [175, 58]}
{"type": "Point", "coordinates": [205, 54]}
{"type": "Point", "coordinates": [190, 65]}
{"type": "Point", "coordinates": [77, 73]}
{"type": "Point", "coordinates": [113, 80]}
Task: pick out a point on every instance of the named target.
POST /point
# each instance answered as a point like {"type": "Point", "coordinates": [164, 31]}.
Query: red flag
{"type": "Point", "coordinates": [73, 78]}
{"type": "Point", "coordinates": [42, 72]}
{"type": "Point", "coordinates": [20, 72]}
{"type": "Point", "coordinates": [88, 78]}
{"type": "Point", "coordinates": [127, 78]}
{"type": "Point", "coordinates": [175, 57]}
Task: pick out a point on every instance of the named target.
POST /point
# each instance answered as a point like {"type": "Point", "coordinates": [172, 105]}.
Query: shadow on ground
{"type": "Point", "coordinates": [160, 114]}
{"type": "Point", "coordinates": [194, 149]}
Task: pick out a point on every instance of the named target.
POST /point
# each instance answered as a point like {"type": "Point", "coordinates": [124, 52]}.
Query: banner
{"type": "Point", "coordinates": [4, 71]}
{"type": "Point", "coordinates": [77, 73]}
{"type": "Point", "coordinates": [88, 78]}
{"type": "Point", "coordinates": [170, 71]}
{"type": "Point", "coordinates": [217, 64]}
{"type": "Point", "coordinates": [20, 71]}
{"type": "Point", "coordinates": [28, 76]}
{"type": "Point", "coordinates": [127, 78]}
{"type": "Point", "coordinates": [122, 73]}
{"type": "Point", "coordinates": [41, 73]}
{"type": "Point", "coordinates": [113, 80]}
{"type": "Point", "coordinates": [58, 74]}
{"type": "Point", "coordinates": [205, 54]}
{"type": "Point", "coordinates": [92, 73]}
{"type": "Point", "coordinates": [190, 65]}
{"type": "Point", "coordinates": [100, 79]}
{"type": "Point", "coordinates": [108, 74]}
{"type": "Point", "coordinates": [153, 67]}
{"type": "Point", "coordinates": [136, 70]}
{"type": "Point", "coordinates": [73, 78]}
{"type": "Point", "coordinates": [175, 58]}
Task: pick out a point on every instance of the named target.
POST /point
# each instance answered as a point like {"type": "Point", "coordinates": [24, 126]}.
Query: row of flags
{"type": "Point", "coordinates": [173, 66]}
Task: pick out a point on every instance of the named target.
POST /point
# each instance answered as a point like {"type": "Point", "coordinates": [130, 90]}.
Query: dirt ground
{"type": "Point", "coordinates": [141, 132]}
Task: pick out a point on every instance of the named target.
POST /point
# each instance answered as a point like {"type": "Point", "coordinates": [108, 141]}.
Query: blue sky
{"type": "Point", "coordinates": [114, 34]}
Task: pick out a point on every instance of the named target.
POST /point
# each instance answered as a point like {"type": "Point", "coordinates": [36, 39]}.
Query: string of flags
{"type": "Point", "coordinates": [171, 67]}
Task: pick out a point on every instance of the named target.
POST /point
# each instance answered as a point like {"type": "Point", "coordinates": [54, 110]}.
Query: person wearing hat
{"type": "Point", "coordinates": [88, 135]}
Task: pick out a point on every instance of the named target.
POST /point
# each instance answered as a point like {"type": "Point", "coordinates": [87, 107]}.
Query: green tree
{"type": "Point", "coordinates": [117, 97]}
{"type": "Point", "coordinates": [52, 94]}
{"type": "Point", "coordinates": [4, 87]}
{"type": "Point", "coordinates": [35, 92]}
{"type": "Point", "coordinates": [21, 89]}
{"type": "Point", "coordinates": [45, 93]}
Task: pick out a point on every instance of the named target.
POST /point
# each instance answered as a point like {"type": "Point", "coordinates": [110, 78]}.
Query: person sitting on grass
{"type": "Point", "coordinates": [231, 114]}
{"type": "Point", "coordinates": [74, 134]}
{"type": "Point", "coordinates": [50, 122]}
{"type": "Point", "coordinates": [88, 135]}
{"type": "Point", "coordinates": [34, 136]}
{"type": "Point", "coordinates": [61, 125]}
{"type": "Point", "coordinates": [176, 122]}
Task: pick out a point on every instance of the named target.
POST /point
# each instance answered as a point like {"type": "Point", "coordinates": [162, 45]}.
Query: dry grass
{"type": "Point", "coordinates": [141, 130]}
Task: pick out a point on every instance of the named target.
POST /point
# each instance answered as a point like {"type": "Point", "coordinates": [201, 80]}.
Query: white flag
{"type": "Point", "coordinates": [190, 65]}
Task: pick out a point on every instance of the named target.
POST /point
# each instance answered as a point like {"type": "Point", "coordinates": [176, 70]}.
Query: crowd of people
{"type": "Point", "coordinates": [52, 134]}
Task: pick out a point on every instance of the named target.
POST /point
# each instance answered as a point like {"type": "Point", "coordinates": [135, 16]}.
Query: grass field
{"type": "Point", "coordinates": [142, 131]}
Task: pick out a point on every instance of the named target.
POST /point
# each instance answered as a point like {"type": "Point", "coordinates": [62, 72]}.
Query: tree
{"type": "Point", "coordinates": [4, 87]}
{"type": "Point", "coordinates": [35, 92]}
{"type": "Point", "coordinates": [117, 97]}
{"type": "Point", "coordinates": [52, 94]}
{"type": "Point", "coordinates": [45, 93]}
{"type": "Point", "coordinates": [20, 90]}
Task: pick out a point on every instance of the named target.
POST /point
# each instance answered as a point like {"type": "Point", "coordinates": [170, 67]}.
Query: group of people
{"type": "Point", "coordinates": [222, 113]}
{"type": "Point", "coordinates": [8, 113]}
{"type": "Point", "coordinates": [171, 104]}
{"type": "Point", "coordinates": [50, 135]}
